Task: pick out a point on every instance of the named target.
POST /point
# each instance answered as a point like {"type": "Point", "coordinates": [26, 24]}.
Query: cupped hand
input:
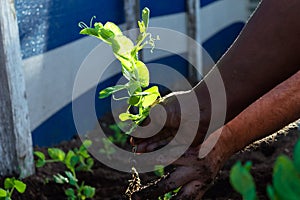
{"type": "Point", "coordinates": [195, 171]}
{"type": "Point", "coordinates": [174, 110]}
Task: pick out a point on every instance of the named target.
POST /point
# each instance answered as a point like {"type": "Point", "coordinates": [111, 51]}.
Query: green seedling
{"type": "Point", "coordinates": [108, 148]}
{"type": "Point", "coordinates": [118, 137]}
{"type": "Point", "coordinates": [10, 184]}
{"type": "Point", "coordinates": [133, 69]}
{"type": "Point", "coordinates": [286, 178]}
{"type": "Point", "coordinates": [169, 195]}
{"type": "Point", "coordinates": [242, 181]}
{"type": "Point", "coordinates": [76, 191]}
{"type": "Point", "coordinates": [75, 160]}
{"type": "Point", "coordinates": [159, 170]}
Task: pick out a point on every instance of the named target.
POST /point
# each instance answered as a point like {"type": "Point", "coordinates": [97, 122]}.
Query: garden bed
{"type": "Point", "coordinates": [111, 184]}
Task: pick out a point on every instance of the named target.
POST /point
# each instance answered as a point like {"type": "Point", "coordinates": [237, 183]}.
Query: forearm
{"type": "Point", "coordinates": [268, 114]}
{"type": "Point", "coordinates": [265, 54]}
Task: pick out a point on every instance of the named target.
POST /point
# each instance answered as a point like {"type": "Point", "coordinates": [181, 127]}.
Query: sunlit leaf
{"type": "Point", "coordinates": [128, 116]}
{"type": "Point", "coordinates": [122, 45]}
{"type": "Point", "coordinates": [143, 73]}
{"type": "Point", "coordinates": [113, 27]}
{"type": "Point", "coordinates": [145, 16]}
{"type": "Point", "coordinates": [3, 193]}
{"type": "Point", "coordinates": [20, 186]}
{"type": "Point", "coordinates": [90, 31]}
{"type": "Point", "coordinates": [56, 154]}
{"type": "Point", "coordinates": [8, 183]}
{"type": "Point", "coordinates": [110, 90]}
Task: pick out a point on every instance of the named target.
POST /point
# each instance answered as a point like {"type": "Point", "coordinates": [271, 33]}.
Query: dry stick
{"type": "Point", "coordinates": [268, 114]}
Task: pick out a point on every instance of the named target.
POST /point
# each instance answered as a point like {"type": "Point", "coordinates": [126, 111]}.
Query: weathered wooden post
{"type": "Point", "coordinates": [15, 136]}
{"type": "Point", "coordinates": [193, 31]}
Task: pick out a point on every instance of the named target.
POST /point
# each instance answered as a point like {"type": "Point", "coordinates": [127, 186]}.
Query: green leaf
{"type": "Point", "coordinates": [40, 155]}
{"type": "Point", "coordinates": [286, 179]}
{"type": "Point", "coordinates": [70, 193]}
{"type": "Point", "coordinates": [134, 100]}
{"type": "Point", "coordinates": [56, 154]}
{"type": "Point", "coordinates": [41, 159]}
{"type": "Point", "coordinates": [90, 163]}
{"type": "Point", "coordinates": [128, 116]}
{"type": "Point", "coordinates": [58, 178]}
{"type": "Point", "coordinates": [110, 90]}
{"type": "Point", "coordinates": [271, 193]}
{"type": "Point", "coordinates": [3, 193]}
{"type": "Point", "coordinates": [145, 16]}
{"type": "Point", "coordinates": [89, 31]}
{"type": "Point", "coordinates": [143, 73]}
{"type": "Point", "coordinates": [297, 156]}
{"type": "Point", "coordinates": [113, 27]}
{"type": "Point", "coordinates": [159, 170]}
{"type": "Point", "coordinates": [142, 27]}
{"type": "Point", "coordinates": [106, 35]}
{"type": "Point", "coordinates": [20, 186]}
{"type": "Point", "coordinates": [86, 144]}
{"type": "Point", "coordinates": [72, 180]}
{"type": "Point", "coordinates": [133, 87]}
{"type": "Point", "coordinates": [9, 183]}
{"type": "Point", "coordinates": [242, 181]}
{"type": "Point", "coordinates": [149, 99]}
{"type": "Point", "coordinates": [122, 45]}
{"type": "Point", "coordinates": [125, 69]}
{"type": "Point", "coordinates": [71, 160]}
{"type": "Point", "coordinates": [88, 191]}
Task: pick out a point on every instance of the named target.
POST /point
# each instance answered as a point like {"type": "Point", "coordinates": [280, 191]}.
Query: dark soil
{"type": "Point", "coordinates": [111, 184]}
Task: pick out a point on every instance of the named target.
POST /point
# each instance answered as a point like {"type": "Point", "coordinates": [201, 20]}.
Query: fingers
{"type": "Point", "coordinates": [179, 177]}
{"type": "Point", "coordinates": [150, 144]}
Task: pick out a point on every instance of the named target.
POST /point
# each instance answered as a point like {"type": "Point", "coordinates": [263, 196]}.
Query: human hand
{"type": "Point", "coordinates": [174, 110]}
{"type": "Point", "coordinates": [195, 170]}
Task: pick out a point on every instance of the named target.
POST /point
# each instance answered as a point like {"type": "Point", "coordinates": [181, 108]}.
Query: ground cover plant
{"type": "Point", "coordinates": [75, 160]}
{"type": "Point", "coordinates": [10, 185]}
{"type": "Point", "coordinates": [286, 178]}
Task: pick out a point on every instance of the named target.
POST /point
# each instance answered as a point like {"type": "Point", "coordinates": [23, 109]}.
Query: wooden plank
{"type": "Point", "coordinates": [193, 31]}
{"type": "Point", "coordinates": [132, 13]}
{"type": "Point", "coordinates": [15, 136]}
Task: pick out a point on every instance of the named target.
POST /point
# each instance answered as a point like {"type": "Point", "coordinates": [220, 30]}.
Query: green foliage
{"type": "Point", "coordinates": [242, 181]}
{"type": "Point", "coordinates": [108, 148]}
{"type": "Point", "coordinates": [118, 137]}
{"type": "Point", "coordinates": [76, 191]}
{"type": "Point", "coordinates": [75, 160]}
{"type": "Point", "coordinates": [169, 195]}
{"type": "Point", "coordinates": [286, 178]}
{"type": "Point", "coordinates": [10, 184]}
{"type": "Point", "coordinates": [159, 170]}
{"type": "Point", "coordinates": [134, 70]}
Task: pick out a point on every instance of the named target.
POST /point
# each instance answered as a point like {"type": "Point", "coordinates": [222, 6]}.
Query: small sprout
{"type": "Point", "coordinates": [10, 184]}
{"type": "Point", "coordinates": [134, 70]}
{"type": "Point", "coordinates": [286, 178]}
{"type": "Point", "coordinates": [75, 160]}
{"type": "Point", "coordinates": [159, 170]}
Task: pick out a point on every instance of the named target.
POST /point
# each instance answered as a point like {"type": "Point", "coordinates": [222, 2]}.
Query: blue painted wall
{"type": "Point", "coordinates": [47, 24]}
